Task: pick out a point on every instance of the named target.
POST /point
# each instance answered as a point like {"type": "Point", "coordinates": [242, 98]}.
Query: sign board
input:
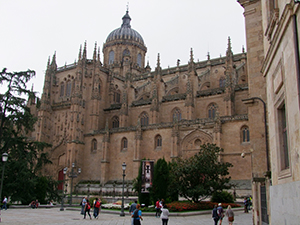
{"type": "Point", "coordinates": [147, 175]}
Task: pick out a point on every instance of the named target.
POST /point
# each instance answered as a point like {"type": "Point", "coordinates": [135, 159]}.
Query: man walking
{"type": "Point", "coordinates": [4, 203]}
{"type": "Point", "coordinates": [131, 210]}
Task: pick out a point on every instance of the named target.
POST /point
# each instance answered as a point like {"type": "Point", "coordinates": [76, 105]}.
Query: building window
{"type": "Point", "coordinates": [222, 82]}
{"type": "Point", "coordinates": [158, 141]}
{"type": "Point", "coordinates": [144, 119]}
{"type": "Point", "coordinates": [94, 145]}
{"type": "Point", "coordinates": [69, 89]}
{"type": "Point", "coordinates": [124, 144]}
{"type": "Point", "coordinates": [283, 138]}
{"type": "Point", "coordinates": [111, 57]}
{"type": "Point", "coordinates": [139, 60]}
{"type": "Point", "coordinates": [245, 134]}
{"type": "Point", "coordinates": [115, 122]}
{"type": "Point", "coordinates": [212, 110]}
{"type": "Point", "coordinates": [176, 115]}
{"type": "Point", "coordinates": [117, 97]}
{"type": "Point", "coordinates": [126, 52]}
{"type": "Point", "coordinates": [62, 89]}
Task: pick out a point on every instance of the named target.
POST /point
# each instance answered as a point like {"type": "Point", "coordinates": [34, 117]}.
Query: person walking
{"type": "Point", "coordinates": [215, 215]}
{"type": "Point", "coordinates": [164, 214]}
{"type": "Point", "coordinates": [220, 213]}
{"type": "Point", "coordinates": [157, 207]}
{"type": "Point", "coordinates": [97, 205]}
{"type": "Point", "coordinates": [87, 209]}
{"type": "Point", "coordinates": [131, 210]}
{"type": "Point", "coordinates": [137, 215]}
{"type": "Point", "coordinates": [4, 203]}
{"type": "Point", "coordinates": [229, 213]}
{"type": "Point", "coordinates": [83, 202]}
{"type": "Point", "coordinates": [245, 205]}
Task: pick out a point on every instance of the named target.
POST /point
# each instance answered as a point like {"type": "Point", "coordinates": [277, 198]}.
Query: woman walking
{"type": "Point", "coordinates": [229, 213]}
{"type": "Point", "coordinates": [87, 209]}
{"type": "Point", "coordinates": [164, 215]}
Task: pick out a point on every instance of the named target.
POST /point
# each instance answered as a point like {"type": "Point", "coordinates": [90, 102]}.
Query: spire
{"type": "Point", "coordinates": [99, 53]}
{"type": "Point", "coordinates": [192, 56]}
{"type": "Point", "coordinates": [126, 20]}
{"type": "Point", "coordinates": [79, 54]}
{"type": "Point", "coordinates": [158, 61]}
{"type": "Point", "coordinates": [95, 52]}
{"type": "Point", "coordinates": [84, 51]}
{"type": "Point", "coordinates": [48, 63]}
{"type": "Point", "coordinates": [53, 63]}
{"type": "Point", "coordinates": [229, 49]}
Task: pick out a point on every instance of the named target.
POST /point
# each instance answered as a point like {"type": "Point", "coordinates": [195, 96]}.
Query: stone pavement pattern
{"type": "Point", "coordinates": [54, 216]}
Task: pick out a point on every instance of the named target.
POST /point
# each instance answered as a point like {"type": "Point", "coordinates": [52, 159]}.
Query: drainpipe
{"type": "Point", "coordinates": [296, 44]}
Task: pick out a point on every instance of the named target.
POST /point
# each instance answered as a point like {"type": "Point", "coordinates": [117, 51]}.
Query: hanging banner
{"type": "Point", "coordinates": [147, 175]}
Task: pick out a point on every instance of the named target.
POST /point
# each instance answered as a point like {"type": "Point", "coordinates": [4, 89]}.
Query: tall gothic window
{"type": "Point", "coordinates": [69, 88]}
{"type": "Point", "coordinates": [62, 89]}
{"type": "Point", "coordinates": [94, 145]}
{"type": "Point", "coordinates": [144, 119]}
{"type": "Point", "coordinates": [111, 57]}
{"type": "Point", "coordinates": [212, 110]}
{"type": "Point", "coordinates": [283, 138]}
{"type": "Point", "coordinates": [139, 60]}
{"type": "Point", "coordinates": [176, 115]}
{"type": "Point", "coordinates": [158, 141]}
{"type": "Point", "coordinates": [117, 97]}
{"type": "Point", "coordinates": [245, 134]}
{"type": "Point", "coordinates": [124, 144]}
{"type": "Point", "coordinates": [115, 122]}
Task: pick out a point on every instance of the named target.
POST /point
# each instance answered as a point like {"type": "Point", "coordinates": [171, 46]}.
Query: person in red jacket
{"type": "Point", "coordinates": [157, 207]}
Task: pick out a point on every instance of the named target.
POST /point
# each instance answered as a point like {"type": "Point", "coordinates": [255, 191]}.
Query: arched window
{"type": "Point", "coordinates": [115, 122]}
{"type": "Point", "coordinates": [117, 97]}
{"type": "Point", "coordinates": [176, 115]}
{"type": "Point", "coordinates": [139, 60]}
{"type": "Point", "coordinates": [69, 88]}
{"type": "Point", "coordinates": [124, 144]}
{"type": "Point", "coordinates": [158, 141]}
{"type": "Point", "coordinates": [94, 145]}
{"type": "Point", "coordinates": [62, 89]}
{"type": "Point", "coordinates": [111, 57]}
{"type": "Point", "coordinates": [222, 82]}
{"type": "Point", "coordinates": [245, 134]}
{"type": "Point", "coordinates": [144, 119]}
{"type": "Point", "coordinates": [212, 110]}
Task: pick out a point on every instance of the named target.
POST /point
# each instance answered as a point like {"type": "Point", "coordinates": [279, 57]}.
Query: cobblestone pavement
{"type": "Point", "coordinates": [54, 216]}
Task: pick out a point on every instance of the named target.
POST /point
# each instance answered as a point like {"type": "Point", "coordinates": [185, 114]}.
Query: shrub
{"type": "Point", "coordinates": [224, 197]}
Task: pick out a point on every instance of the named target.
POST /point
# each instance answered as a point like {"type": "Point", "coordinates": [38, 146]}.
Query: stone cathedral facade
{"type": "Point", "coordinates": [99, 113]}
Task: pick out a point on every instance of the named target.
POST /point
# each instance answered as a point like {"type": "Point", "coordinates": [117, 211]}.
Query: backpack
{"type": "Point", "coordinates": [136, 213]}
{"type": "Point", "coordinates": [88, 206]}
{"type": "Point", "coordinates": [97, 204]}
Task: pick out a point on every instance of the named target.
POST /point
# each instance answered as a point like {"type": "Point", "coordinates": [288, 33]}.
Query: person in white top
{"type": "Point", "coordinates": [4, 203]}
{"type": "Point", "coordinates": [164, 215]}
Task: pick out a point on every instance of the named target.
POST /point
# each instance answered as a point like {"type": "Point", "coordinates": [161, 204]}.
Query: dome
{"type": "Point", "coordinates": [125, 32]}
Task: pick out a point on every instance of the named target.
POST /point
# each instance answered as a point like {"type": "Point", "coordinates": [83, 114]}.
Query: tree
{"type": "Point", "coordinates": [26, 156]}
{"type": "Point", "coordinates": [201, 175]}
{"type": "Point", "coordinates": [160, 180]}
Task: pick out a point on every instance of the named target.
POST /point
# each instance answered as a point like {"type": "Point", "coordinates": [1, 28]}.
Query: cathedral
{"type": "Point", "coordinates": [98, 113]}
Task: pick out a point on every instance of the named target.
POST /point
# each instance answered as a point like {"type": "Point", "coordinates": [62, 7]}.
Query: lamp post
{"type": "Point", "coordinates": [73, 174]}
{"type": "Point", "coordinates": [266, 126]}
{"type": "Point", "coordinates": [63, 194]}
{"type": "Point", "coordinates": [4, 159]}
{"type": "Point", "coordinates": [122, 206]}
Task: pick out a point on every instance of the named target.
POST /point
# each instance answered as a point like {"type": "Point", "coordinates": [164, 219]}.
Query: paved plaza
{"type": "Point", "coordinates": [54, 216]}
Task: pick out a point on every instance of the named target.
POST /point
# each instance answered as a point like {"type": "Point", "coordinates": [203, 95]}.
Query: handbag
{"type": "Point", "coordinates": [230, 219]}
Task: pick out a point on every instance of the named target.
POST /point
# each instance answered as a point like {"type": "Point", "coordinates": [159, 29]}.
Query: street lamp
{"type": "Point", "coordinates": [4, 159]}
{"type": "Point", "coordinates": [122, 206]}
{"type": "Point", "coordinates": [73, 174]}
{"type": "Point", "coordinates": [251, 100]}
{"type": "Point", "coordinates": [63, 194]}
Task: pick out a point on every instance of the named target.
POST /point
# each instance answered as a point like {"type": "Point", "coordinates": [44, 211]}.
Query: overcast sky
{"type": "Point", "coordinates": [32, 30]}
